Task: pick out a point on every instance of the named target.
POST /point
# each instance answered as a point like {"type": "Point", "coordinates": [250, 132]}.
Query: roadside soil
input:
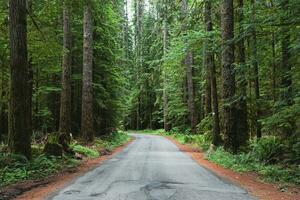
{"type": "Point", "coordinates": [249, 181]}
{"type": "Point", "coordinates": [40, 189]}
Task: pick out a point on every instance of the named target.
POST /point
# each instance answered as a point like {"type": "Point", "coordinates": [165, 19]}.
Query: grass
{"type": "Point", "coordinates": [16, 168]}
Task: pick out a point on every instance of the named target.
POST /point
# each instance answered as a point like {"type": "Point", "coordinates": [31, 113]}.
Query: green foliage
{"type": "Point", "coordinates": [205, 126]}
{"type": "Point", "coordinates": [16, 168]}
{"type": "Point", "coordinates": [85, 151]}
{"type": "Point", "coordinates": [258, 160]}
{"type": "Point", "coordinates": [202, 141]}
{"type": "Point", "coordinates": [112, 140]}
{"type": "Point", "coordinates": [148, 131]}
{"type": "Point", "coordinates": [267, 149]}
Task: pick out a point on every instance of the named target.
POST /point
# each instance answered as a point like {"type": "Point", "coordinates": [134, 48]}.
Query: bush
{"type": "Point", "coordinates": [267, 149]}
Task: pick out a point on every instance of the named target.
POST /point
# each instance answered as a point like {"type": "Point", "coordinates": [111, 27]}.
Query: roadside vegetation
{"type": "Point", "coordinates": [272, 158]}
{"type": "Point", "coordinates": [16, 168]}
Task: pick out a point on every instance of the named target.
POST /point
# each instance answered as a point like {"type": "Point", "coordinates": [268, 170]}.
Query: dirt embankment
{"type": "Point", "coordinates": [249, 181]}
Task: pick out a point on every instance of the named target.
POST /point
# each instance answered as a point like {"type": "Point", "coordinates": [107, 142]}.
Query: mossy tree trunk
{"type": "Point", "coordinates": [20, 99]}
{"type": "Point", "coordinates": [87, 77]}
{"type": "Point", "coordinates": [65, 100]}
{"type": "Point", "coordinates": [242, 123]}
{"type": "Point", "coordinates": [209, 64]}
{"type": "Point", "coordinates": [228, 76]}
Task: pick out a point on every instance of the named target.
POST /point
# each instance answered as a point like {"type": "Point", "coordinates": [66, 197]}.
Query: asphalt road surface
{"type": "Point", "coordinates": [150, 168]}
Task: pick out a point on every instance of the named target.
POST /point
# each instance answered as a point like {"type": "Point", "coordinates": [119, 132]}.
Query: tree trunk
{"type": "Point", "coordinates": [19, 130]}
{"type": "Point", "coordinates": [210, 68]}
{"type": "Point", "coordinates": [256, 72]}
{"type": "Point", "coordinates": [286, 81]}
{"type": "Point", "coordinates": [87, 78]}
{"type": "Point", "coordinates": [188, 61]}
{"type": "Point", "coordinates": [138, 43]}
{"type": "Point", "coordinates": [3, 103]}
{"type": "Point", "coordinates": [165, 43]}
{"type": "Point", "coordinates": [274, 84]}
{"type": "Point", "coordinates": [190, 88]}
{"type": "Point", "coordinates": [65, 100]}
{"type": "Point", "coordinates": [241, 109]}
{"type": "Point", "coordinates": [228, 76]}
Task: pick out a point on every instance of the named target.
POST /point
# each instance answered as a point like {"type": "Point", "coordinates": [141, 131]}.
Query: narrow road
{"type": "Point", "coordinates": [151, 168]}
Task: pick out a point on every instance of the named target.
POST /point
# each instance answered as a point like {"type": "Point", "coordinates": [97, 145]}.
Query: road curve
{"type": "Point", "coordinates": [150, 168]}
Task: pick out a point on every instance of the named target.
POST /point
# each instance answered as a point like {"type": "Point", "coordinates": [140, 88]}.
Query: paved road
{"type": "Point", "coordinates": [151, 168]}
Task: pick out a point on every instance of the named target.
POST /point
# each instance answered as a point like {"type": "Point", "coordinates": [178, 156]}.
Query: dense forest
{"type": "Point", "coordinates": [228, 70]}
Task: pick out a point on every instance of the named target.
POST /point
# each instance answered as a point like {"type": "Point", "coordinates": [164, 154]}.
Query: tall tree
{"type": "Point", "coordinates": [209, 64]}
{"type": "Point", "coordinates": [241, 108]}
{"type": "Point", "coordinates": [165, 45]}
{"type": "Point", "coordinates": [188, 62]}
{"type": "Point", "coordinates": [20, 100]}
{"type": "Point", "coordinates": [138, 55]}
{"type": "Point", "coordinates": [87, 78]}
{"type": "Point", "coordinates": [65, 100]}
{"type": "Point", "coordinates": [228, 76]}
{"type": "Point", "coordinates": [286, 80]}
{"type": "Point", "coordinates": [207, 59]}
{"type": "Point", "coordinates": [255, 70]}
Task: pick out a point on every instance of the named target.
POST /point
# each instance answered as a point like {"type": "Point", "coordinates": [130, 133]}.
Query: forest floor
{"type": "Point", "coordinates": [248, 180]}
{"type": "Point", "coordinates": [39, 189]}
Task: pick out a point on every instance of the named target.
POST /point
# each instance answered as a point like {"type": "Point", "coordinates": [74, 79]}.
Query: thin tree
{"type": "Point", "coordinates": [138, 55]}
{"type": "Point", "coordinates": [87, 78]}
{"type": "Point", "coordinates": [165, 44]}
{"type": "Point", "coordinates": [228, 76]}
{"type": "Point", "coordinates": [188, 62]}
{"type": "Point", "coordinates": [209, 64]}
{"type": "Point", "coordinates": [20, 100]}
{"type": "Point", "coordinates": [286, 67]}
{"type": "Point", "coordinates": [65, 100]}
{"type": "Point", "coordinates": [242, 123]}
{"type": "Point", "coordinates": [255, 70]}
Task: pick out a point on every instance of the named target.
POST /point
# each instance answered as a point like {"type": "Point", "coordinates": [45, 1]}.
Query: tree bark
{"type": "Point", "coordinates": [286, 81]}
{"type": "Point", "coordinates": [19, 130]}
{"type": "Point", "coordinates": [87, 78]}
{"type": "Point", "coordinates": [65, 100]}
{"type": "Point", "coordinates": [241, 109]}
{"type": "Point", "coordinates": [165, 44]}
{"type": "Point", "coordinates": [274, 84]}
{"type": "Point", "coordinates": [209, 64]}
{"type": "Point", "coordinates": [138, 43]}
{"type": "Point", "coordinates": [228, 76]}
{"type": "Point", "coordinates": [256, 72]}
{"type": "Point", "coordinates": [188, 61]}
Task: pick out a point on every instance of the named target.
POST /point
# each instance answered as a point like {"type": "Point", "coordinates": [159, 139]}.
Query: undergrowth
{"type": "Point", "coordinates": [246, 162]}
{"type": "Point", "coordinates": [16, 168]}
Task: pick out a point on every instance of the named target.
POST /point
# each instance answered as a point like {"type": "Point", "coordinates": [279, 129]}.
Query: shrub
{"type": "Point", "coordinates": [267, 149]}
